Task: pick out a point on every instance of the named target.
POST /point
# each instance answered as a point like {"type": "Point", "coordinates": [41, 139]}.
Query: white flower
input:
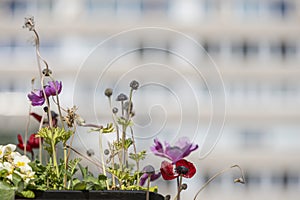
{"type": "Point", "coordinates": [8, 166]}
{"type": "Point", "coordinates": [1, 151]}
{"type": "Point", "coordinates": [21, 162]}
{"type": "Point", "coordinates": [7, 149]}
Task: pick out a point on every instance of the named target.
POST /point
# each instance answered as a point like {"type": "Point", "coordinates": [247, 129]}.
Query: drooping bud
{"type": "Point", "coordinates": [149, 169]}
{"type": "Point", "coordinates": [121, 97]}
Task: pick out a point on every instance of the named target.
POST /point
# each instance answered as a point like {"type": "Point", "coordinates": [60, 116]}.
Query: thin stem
{"type": "Point", "coordinates": [47, 102]}
{"type": "Point", "coordinates": [135, 152]}
{"type": "Point", "coordinates": [148, 186]}
{"type": "Point", "coordinates": [40, 139]}
{"type": "Point", "coordinates": [39, 57]}
{"type": "Point", "coordinates": [102, 157]}
{"type": "Point", "coordinates": [129, 105]}
{"type": "Point", "coordinates": [27, 129]}
{"type": "Point", "coordinates": [58, 104]}
{"type": "Point", "coordinates": [238, 180]}
{"type": "Point", "coordinates": [65, 164]}
{"type": "Point", "coordinates": [84, 156]}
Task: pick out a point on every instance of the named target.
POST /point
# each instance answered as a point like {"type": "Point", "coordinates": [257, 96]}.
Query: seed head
{"type": "Point", "coordinates": [134, 85]}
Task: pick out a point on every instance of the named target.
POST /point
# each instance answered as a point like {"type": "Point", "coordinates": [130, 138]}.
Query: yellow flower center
{"type": "Point", "coordinates": [20, 164]}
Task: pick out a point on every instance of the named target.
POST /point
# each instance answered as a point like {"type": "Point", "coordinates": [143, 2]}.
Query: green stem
{"type": "Point", "coordinates": [65, 164]}
{"type": "Point", "coordinates": [54, 159]}
{"type": "Point", "coordinates": [148, 187]}
{"type": "Point", "coordinates": [102, 157]}
{"type": "Point", "coordinates": [40, 140]}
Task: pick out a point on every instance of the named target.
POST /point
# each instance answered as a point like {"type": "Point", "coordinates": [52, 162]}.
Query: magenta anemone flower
{"type": "Point", "coordinates": [182, 148]}
{"type": "Point", "coordinates": [52, 87]}
{"type": "Point", "coordinates": [36, 98]}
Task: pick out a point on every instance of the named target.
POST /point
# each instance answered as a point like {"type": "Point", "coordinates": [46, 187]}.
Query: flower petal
{"type": "Point", "coordinates": [52, 88]}
{"type": "Point", "coordinates": [167, 171]}
{"type": "Point", "coordinates": [191, 168]}
{"type": "Point", "coordinates": [143, 179]}
{"type": "Point", "coordinates": [36, 98]}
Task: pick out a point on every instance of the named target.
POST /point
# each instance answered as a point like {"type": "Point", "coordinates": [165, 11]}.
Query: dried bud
{"type": "Point", "coordinates": [239, 180]}
{"type": "Point", "coordinates": [184, 186]}
{"type": "Point", "coordinates": [134, 85]}
{"type": "Point", "coordinates": [47, 72]}
{"type": "Point", "coordinates": [106, 152]}
{"type": "Point", "coordinates": [29, 23]}
{"type": "Point", "coordinates": [90, 152]}
{"type": "Point", "coordinates": [121, 97]}
{"type": "Point", "coordinates": [45, 109]}
{"type": "Point", "coordinates": [168, 197]}
{"type": "Point", "coordinates": [108, 92]}
{"type": "Point", "coordinates": [149, 169]}
{"type": "Point", "coordinates": [182, 170]}
{"type": "Point", "coordinates": [115, 110]}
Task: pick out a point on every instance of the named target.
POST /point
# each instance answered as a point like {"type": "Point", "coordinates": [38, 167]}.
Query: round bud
{"type": "Point", "coordinates": [108, 92]}
{"type": "Point", "coordinates": [134, 85]}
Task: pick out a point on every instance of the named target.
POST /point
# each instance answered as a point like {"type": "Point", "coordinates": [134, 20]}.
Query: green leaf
{"type": "Point", "coordinates": [27, 194]}
{"type": "Point", "coordinates": [139, 156]}
{"type": "Point", "coordinates": [5, 186]}
{"type": "Point", "coordinates": [7, 194]}
{"type": "Point", "coordinates": [16, 179]}
{"type": "Point", "coordinates": [128, 143]}
{"type": "Point", "coordinates": [108, 129]}
{"type": "Point", "coordinates": [80, 186]}
{"type": "Point", "coordinates": [124, 122]}
{"type": "Point", "coordinates": [102, 177]}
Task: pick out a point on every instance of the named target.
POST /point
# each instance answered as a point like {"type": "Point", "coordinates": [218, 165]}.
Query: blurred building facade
{"type": "Point", "coordinates": [255, 44]}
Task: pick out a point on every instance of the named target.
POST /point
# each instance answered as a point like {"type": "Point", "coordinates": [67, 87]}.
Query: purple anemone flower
{"type": "Point", "coordinates": [153, 177]}
{"type": "Point", "coordinates": [182, 148]}
{"type": "Point", "coordinates": [36, 98]}
{"type": "Point", "coordinates": [52, 87]}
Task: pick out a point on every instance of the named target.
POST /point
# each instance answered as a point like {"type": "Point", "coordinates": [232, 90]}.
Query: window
{"type": "Point", "coordinates": [281, 8]}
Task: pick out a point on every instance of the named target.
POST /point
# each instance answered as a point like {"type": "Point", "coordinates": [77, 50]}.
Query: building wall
{"type": "Point", "coordinates": [253, 46]}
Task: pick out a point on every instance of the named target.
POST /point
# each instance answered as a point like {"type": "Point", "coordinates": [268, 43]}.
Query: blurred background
{"type": "Point", "coordinates": [255, 45]}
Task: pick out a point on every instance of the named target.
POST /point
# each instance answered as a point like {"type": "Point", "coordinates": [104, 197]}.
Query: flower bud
{"type": "Point", "coordinates": [108, 92]}
{"type": "Point", "coordinates": [184, 186]}
{"type": "Point", "coordinates": [106, 152]}
{"type": "Point", "coordinates": [149, 169]}
{"type": "Point", "coordinates": [115, 110]}
{"type": "Point", "coordinates": [121, 97]}
{"type": "Point", "coordinates": [90, 152]}
{"type": "Point", "coordinates": [134, 85]}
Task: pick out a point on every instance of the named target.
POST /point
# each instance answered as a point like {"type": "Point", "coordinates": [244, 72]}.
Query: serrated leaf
{"type": "Point", "coordinates": [27, 194]}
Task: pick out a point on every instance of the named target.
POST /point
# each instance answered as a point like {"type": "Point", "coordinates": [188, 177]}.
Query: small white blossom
{"type": "Point", "coordinates": [21, 162]}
